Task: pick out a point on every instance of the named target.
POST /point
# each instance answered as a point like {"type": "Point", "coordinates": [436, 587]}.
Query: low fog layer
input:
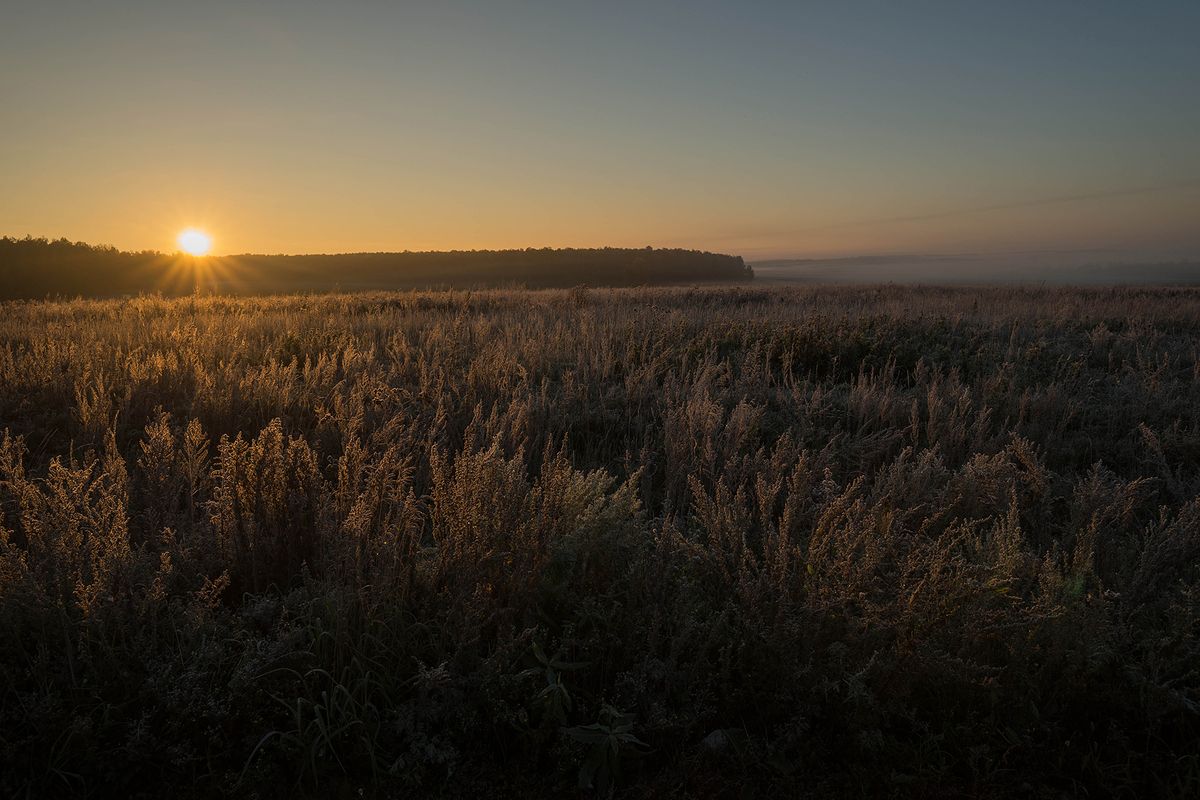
{"type": "Point", "coordinates": [1039, 267]}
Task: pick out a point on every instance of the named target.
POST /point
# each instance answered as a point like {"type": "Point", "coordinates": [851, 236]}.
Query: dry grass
{"type": "Point", "coordinates": [883, 541]}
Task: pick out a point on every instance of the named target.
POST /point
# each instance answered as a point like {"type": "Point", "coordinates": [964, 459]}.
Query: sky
{"type": "Point", "coordinates": [764, 129]}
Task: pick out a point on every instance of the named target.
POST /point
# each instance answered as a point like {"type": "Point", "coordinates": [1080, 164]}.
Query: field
{"type": "Point", "coordinates": [661, 542]}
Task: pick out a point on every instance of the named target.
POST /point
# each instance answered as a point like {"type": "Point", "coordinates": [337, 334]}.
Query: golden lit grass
{"type": "Point", "coordinates": [883, 540]}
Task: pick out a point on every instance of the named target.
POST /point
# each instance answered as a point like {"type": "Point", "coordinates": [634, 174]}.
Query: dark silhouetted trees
{"type": "Point", "coordinates": [32, 268]}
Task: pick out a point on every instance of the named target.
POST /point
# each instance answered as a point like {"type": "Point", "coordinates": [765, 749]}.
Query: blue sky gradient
{"type": "Point", "coordinates": [762, 128]}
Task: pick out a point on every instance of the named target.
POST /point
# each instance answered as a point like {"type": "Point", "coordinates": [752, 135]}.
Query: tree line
{"type": "Point", "coordinates": [38, 267]}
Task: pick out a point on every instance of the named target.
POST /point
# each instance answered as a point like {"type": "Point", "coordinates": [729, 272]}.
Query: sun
{"type": "Point", "coordinates": [194, 242]}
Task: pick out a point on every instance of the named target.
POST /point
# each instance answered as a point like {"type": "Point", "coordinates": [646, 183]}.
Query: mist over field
{"type": "Point", "coordinates": [1051, 268]}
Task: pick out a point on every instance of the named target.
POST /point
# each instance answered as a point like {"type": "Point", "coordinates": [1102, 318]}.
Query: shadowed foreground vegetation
{"type": "Point", "coordinates": [38, 268]}
{"type": "Point", "coordinates": [802, 542]}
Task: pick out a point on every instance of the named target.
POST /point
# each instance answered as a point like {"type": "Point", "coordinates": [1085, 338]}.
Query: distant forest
{"type": "Point", "coordinates": [34, 268]}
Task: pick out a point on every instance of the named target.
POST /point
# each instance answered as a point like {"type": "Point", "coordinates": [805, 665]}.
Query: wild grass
{"type": "Point", "coordinates": [659, 542]}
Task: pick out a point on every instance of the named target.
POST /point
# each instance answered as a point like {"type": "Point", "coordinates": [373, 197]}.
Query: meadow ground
{"type": "Point", "coordinates": [800, 541]}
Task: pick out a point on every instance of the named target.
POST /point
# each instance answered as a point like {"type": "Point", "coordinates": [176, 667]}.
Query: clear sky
{"type": "Point", "coordinates": [757, 128]}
